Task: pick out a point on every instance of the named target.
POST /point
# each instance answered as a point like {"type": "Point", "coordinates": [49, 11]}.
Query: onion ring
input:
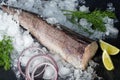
{"type": "Point", "coordinates": [39, 55]}
{"type": "Point", "coordinates": [18, 63]}
{"type": "Point", "coordinates": [39, 65]}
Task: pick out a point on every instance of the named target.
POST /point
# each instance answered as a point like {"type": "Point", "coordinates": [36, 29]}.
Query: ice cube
{"type": "Point", "coordinates": [49, 73]}
{"type": "Point", "coordinates": [28, 40]}
{"type": "Point", "coordinates": [64, 71]}
{"type": "Point", "coordinates": [84, 9]}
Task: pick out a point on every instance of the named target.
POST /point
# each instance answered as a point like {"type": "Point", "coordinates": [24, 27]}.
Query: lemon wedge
{"type": "Point", "coordinates": [111, 50]}
{"type": "Point", "coordinates": [107, 61]}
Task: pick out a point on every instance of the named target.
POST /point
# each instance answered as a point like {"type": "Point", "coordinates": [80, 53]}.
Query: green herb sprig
{"type": "Point", "coordinates": [6, 49]}
{"type": "Point", "coordinates": [95, 17]}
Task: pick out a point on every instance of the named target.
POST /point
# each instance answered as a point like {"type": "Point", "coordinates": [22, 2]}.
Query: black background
{"type": "Point", "coordinates": [101, 71]}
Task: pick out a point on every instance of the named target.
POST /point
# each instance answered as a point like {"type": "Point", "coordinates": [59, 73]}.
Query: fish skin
{"type": "Point", "coordinates": [76, 53]}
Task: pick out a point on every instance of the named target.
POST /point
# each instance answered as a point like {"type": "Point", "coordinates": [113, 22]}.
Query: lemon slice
{"type": "Point", "coordinates": [111, 50]}
{"type": "Point", "coordinates": [107, 61]}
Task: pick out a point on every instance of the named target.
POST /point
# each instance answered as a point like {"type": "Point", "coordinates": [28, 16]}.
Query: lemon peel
{"type": "Point", "coordinates": [111, 50]}
{"type": "Point", "coordinates": [107, 61]}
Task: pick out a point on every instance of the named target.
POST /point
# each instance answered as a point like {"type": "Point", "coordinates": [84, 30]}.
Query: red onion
{"type": "Point", "coordinates": [47, 57]}
{"type": "Point", "coordinates": [18, 63]}
{"type": "Point", "coordinates": [42, 54]}
{"type": "Point", "coordinates": [40, 72]}
{"type": "Point", "coordinates": [41, 64]}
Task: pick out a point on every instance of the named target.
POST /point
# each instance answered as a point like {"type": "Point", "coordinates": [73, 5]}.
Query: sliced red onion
{"type": "Point", "coordinates": [40, 72]}
{"type": "Point", "coordinates": [47, 57]}
{"type": "Point", "coordinates": [41, 64]}
{"type": "Point", "coordinates": [41, 54]}
{"type": "Point", "coordinates": [18, 64]}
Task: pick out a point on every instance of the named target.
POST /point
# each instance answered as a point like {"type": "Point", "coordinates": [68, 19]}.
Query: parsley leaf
{"type": "Point", "coordinates": [95, 17]}
{"type": "Point", "coordinates": [6, 49]}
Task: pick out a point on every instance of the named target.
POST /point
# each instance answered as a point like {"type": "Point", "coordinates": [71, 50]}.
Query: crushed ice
{"type": "Point", "coordinates": [51, 10]}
